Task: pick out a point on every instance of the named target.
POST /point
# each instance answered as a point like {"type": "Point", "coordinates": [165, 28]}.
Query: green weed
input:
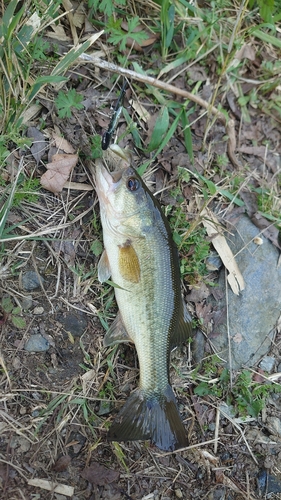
{"type": "Point", "coordinates": [246, 397]}
{"type": "Point", "coordinates": [96, 149]}
{"type": "Point", "coordinates": [27, 190]}
{"type": "Point", "coordinates": [118, 36]}
{"type": "Point", "coordinates": [107, 7]}
{"type": "Point", "coordinates": [67, 101]}
{"type": "Point", "coordinates": [17, 87]}
{"type": "Point", "coordinates": [13, 313]}
{"type": "Point", "coordinates": [195, 248]}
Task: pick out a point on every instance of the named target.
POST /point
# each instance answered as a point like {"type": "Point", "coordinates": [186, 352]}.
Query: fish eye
{"type": "Point", "coordinates": [133, 184]}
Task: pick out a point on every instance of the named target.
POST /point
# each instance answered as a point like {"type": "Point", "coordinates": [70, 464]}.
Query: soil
{"type": "Point", "coordinates": [56, 405]}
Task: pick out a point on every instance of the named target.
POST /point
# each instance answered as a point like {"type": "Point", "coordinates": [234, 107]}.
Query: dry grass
{"type": "Point", "coordinates": [52, 404]}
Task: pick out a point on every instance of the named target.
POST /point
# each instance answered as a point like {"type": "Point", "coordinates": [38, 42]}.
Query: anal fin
{"type": "Point", "coordinates": [116, 333]}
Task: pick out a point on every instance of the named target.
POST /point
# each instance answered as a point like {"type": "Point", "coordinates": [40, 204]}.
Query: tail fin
{"type": "Point", "coordinates": [150, 416]}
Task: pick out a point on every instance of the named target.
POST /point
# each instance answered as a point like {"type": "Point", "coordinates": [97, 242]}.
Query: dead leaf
{"type": "Point", "coordinates": [199, 294]}
{"type": "Point", "coordinates": [99, 475]}
{"type": "Point", "coordinates": [30, 113]}
{"type": "Point", "coordinates": [260, 151]}
{"type": "Point", "coordinates": [66, 248]}
{"type": "Point", "coordinates": [58, 33]}
{"type": "Point", "coordinates": [246, 52]}
{"type": "Point", "coordinates": [140, 110]}
{"type": "Point", "coordinates": [62, 463]}
{"type": "Point", "coordinates": [62, 144]}
{"type": "Point", "coordinates": [234, 278]}
{"type": "Point", "coordinates": [197, 73]}
{"type": "Point", "coordinates": [39, 144]}
{"type": "Point", "coordinates": [58, 172]}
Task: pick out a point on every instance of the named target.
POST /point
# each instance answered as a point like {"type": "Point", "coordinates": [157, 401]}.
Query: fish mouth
{"type": "Point", "coordinates": [107, 181]}
{"type": "Point", "coordinates": [106, 184]}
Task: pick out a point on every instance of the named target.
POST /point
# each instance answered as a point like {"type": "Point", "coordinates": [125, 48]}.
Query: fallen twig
{"type": "Point", "coordinates": [227, 122]}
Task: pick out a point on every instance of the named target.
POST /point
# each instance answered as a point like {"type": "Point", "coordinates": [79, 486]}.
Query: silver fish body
{"type": "Point", "coordinates": [141, 258]}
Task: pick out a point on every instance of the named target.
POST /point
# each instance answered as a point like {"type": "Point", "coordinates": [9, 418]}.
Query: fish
{"type": "Point", "coordinates": [141, 259]}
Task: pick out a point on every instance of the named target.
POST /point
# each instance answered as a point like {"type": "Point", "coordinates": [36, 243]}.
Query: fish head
{"type": "Point", "coordinates": [126, 204]}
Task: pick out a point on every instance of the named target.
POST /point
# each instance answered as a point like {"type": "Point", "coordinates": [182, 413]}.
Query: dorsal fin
{"type": "Point", "coordinates": [184, 329]}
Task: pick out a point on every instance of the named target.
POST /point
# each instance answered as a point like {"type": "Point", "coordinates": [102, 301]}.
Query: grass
{"type": "Point", "coordinates": [179, 145]}
{"type": "Point", "coordinates": [247, 396]}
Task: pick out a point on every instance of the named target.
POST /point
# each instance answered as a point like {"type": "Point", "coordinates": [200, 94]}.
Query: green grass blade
{"type": "Point", "coordinates": [165, 141]}
{"type": "Point", "coordinates": [265, 37]}
{"type": "Point", "coordinates": [74, 53]}
{"type": "Point", "coordinates": [187, 135]}
{"type": "Point", "coordinates": [160, 128]}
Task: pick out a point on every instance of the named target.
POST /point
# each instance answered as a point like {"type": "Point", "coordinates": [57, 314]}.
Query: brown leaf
{"type": "Point", "coordinates": [254, 150]}
{"type": "Point", "coordinates": [246, 52]}
{"type": "Point", "coordinates": [99, 475]}
{"type": "Point", "coordinates": [67, 248]}
{"type": "Point", "coordinates": [199, 294]}
{"type": "Point", "coordinates": [63, 144]}
{"type": "Point", "coordinates": [58, 172]}
{"type": "Point", "coordinates": [62, 463]}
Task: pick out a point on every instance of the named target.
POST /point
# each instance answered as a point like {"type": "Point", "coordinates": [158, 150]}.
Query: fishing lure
{"type": "Point", "coordinates": [106, 138]}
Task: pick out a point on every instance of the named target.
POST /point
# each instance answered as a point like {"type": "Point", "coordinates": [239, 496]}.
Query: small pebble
{"type": "Point", "coordinates": [178, 493]}
{"type": "Point", "coordinates": [267, 363]}
{"type": "Point", "coordinates": [37, 343]}
{"type": "Point", "coordinates": [38, 310]}
{"type": "Point", "coordinates": [31, 280]}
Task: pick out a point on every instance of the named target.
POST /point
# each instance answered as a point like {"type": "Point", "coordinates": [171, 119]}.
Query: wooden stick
{"type": "Point", "coordinates": [228, 123]}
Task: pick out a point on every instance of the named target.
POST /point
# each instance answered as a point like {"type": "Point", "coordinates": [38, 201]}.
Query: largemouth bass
{"type": "Point", "coordinates": [142, 260]}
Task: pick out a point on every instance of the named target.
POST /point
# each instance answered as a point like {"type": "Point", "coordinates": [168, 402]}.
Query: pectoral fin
{"type": "Point", "coordinates": [116, 333]}
{"type": "Point", "coordinates": [129, 266]}
{"type": "Point", "coordinates": [184, 330]}
{"type": "Point", "coordinates": [104, 271]}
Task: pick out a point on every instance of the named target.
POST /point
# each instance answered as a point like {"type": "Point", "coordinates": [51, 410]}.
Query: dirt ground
{"type": "Point", "coordinates": [56, 405]}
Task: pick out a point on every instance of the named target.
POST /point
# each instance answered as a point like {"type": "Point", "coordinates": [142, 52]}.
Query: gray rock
{"type": "Point", "coordinates": [268, 484]}
{"type": "Point", "coordinates": [31, 280]}
{"type": "Point", "coordinates": [37, 343]}
{"type": "Point", "coordinates": [75, 323]}
{"type": "Point", "coordinates": [267, 363]}
{"type": "Point", "coordinates": [253, 314]}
